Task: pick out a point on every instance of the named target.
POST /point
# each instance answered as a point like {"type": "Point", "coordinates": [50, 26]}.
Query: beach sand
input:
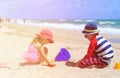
{"type": "Point", "coordinates": [14, 41]}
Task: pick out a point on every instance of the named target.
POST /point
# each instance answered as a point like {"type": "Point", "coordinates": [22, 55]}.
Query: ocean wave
{"type": "Point", "coordinates": [106, 29]}
{"type": "Point", "coordinates": [106, 22]}
{"type": "Point", "coordinates": [109, 30]}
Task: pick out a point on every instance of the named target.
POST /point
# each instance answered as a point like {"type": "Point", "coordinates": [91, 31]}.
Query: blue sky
{"type": "Point", "coordinates": [60, 9]}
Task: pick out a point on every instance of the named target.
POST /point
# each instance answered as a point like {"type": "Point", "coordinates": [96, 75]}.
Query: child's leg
{"type": "Point", "coordinates": [90, 62]}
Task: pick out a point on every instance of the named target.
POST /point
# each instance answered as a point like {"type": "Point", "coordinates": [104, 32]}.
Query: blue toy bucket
{"type": "Point", "coordinates": [63, 55]}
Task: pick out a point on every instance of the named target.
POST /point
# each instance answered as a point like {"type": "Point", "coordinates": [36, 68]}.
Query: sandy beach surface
{"type": "Point", "coordinates": [14, 41]}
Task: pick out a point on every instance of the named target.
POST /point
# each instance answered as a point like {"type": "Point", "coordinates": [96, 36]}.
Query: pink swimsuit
{"type": "Point", "coordinates": [32, 55]}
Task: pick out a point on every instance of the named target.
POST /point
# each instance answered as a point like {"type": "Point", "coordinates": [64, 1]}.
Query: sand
{"type": "Point", "coordinates": [14, 41]}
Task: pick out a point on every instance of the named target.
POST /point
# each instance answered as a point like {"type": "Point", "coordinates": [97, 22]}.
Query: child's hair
{"type": "Point", "coordinates": [36, 39]}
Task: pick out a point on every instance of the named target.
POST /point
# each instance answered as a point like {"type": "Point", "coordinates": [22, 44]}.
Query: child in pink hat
{"type": "Point", "coordinates": [37, 52]}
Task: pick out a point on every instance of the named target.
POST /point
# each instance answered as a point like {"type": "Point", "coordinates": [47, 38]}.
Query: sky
{"type": "Point", "coordinates": [60, 9]}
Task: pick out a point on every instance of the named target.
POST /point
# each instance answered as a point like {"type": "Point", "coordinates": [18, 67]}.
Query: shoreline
{"type": "Point", "coordinates": [114, 38]}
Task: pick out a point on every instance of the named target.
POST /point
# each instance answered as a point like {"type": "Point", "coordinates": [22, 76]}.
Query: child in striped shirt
{"type": "Point", "coordinates": [100, 51]}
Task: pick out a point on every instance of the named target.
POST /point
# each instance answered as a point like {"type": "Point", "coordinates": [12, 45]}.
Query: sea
{"type": "Point", "coordinates": [105, 26]}
{"type": "Point", "coordinates": [108, 26]}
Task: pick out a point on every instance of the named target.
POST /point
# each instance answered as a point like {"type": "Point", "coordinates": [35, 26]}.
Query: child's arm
{"type": "Point", "coordinates": [41, 49]}
{"type": "Point", "coordinates": [91, 49]}
{"type": "Point", "coordinates": [42, 52]}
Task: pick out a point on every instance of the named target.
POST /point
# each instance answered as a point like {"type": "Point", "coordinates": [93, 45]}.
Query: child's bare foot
{"type": "Point", "coordinates": [25, 63]}
{"type": "Point", "coordinates": [51, 65]}
{"type": "Point", "coordinates": [71, 63]}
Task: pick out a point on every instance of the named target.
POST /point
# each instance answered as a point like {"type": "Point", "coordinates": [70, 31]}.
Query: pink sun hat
{"type": "Point", "coordinates": [46, 33]}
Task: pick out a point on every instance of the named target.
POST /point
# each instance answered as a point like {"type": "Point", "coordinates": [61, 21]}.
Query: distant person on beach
{"type": "Point", "coordinates": [37, 52]}
{"type": "Point", "coordinates": [24, 20]}
{"type": "Point", "coordinates": [100, 51]}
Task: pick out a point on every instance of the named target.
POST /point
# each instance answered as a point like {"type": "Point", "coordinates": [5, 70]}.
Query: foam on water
{"type": "Point", "coordinates": [106, 27]}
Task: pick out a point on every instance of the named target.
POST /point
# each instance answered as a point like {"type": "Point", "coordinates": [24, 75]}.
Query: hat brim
{"type": "Point", "coordinates": [41, 36]}
{"type": "Point", "coordinates": [85, 32]}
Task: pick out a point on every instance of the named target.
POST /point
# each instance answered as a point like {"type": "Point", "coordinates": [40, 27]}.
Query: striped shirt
{"type": "Point", "coordinates": [99, 47]}
{"type": "Point", "coordinates": [104, 49]}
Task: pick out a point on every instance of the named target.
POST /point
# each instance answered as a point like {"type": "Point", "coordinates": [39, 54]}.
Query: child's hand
{"type": "Point", "coordinates": [51, 64]}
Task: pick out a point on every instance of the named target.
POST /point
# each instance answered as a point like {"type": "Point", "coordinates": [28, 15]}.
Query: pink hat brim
{"type": "Point", "coordinates": [47, 37]}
